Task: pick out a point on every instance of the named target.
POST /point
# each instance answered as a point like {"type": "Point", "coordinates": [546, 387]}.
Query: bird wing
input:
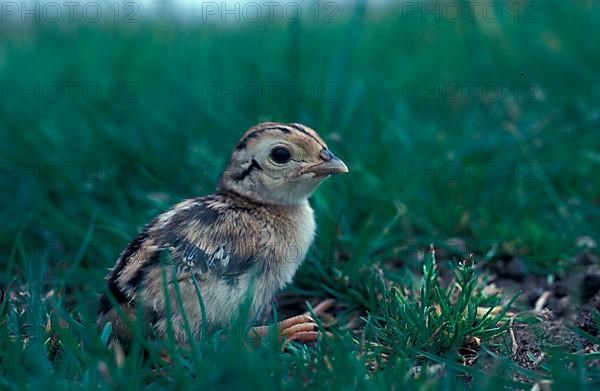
{"type": "Point", "coordinates": [208, 236]}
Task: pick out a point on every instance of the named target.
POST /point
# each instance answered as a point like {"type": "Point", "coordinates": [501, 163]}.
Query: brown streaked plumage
{"type": "Point", "coordinates": [244, 242]}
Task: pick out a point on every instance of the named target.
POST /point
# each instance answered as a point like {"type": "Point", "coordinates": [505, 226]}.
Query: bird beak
{"type": "Point", "coordinates": [331, 165]}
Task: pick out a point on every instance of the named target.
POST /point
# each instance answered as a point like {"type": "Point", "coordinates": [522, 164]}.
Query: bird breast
{"type": "Point", "coordinates": [289, 238]}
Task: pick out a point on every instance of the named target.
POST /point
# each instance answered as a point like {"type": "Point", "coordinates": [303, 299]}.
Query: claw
{"type": "Point", "coordinates": [298, 319]}
{"type": "Point", "coordinates": [322, 307]}
{"type": "Point", "coordinates": [297, 328]}
{"type": "Point", "coordinates": [302, 336]}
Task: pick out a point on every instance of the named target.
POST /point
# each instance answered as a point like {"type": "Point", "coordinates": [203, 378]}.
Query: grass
{"type": "Point", "coordinates": [507, 176]}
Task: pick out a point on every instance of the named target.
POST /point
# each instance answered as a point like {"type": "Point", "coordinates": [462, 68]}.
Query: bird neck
{"type": "Point", "coordinates": [249, 202]}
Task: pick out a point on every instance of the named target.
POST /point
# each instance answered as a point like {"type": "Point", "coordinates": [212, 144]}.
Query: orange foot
{"type": "Point", "coordinates": [300, 328]}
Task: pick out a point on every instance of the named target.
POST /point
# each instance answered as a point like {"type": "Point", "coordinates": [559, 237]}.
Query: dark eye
{"type": "Point", "coordinates": [281, 155]}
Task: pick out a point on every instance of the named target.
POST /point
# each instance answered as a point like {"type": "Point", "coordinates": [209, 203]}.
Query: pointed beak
{"type": "Point", "coordinates": [331, 165]}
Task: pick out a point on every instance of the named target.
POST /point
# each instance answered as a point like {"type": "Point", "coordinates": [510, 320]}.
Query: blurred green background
{"type": "Point", "coordinates": [481, 126]}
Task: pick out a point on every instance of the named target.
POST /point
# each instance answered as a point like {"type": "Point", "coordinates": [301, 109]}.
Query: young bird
{"type": "Point", "coordinates": [239, 245]}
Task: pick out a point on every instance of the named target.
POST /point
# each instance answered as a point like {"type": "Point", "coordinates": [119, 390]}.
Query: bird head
{"type": "Point", "coordinates": [279, 164]}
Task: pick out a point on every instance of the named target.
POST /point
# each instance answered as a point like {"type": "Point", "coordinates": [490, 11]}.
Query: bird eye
{"type": "Point", "coordinates": [280, 155]}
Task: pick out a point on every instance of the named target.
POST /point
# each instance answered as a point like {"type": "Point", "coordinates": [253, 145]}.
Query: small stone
{"type": "Point", "coordinates": [563, 305]}
{"type": "Point", "coordinates": [586, 242]}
